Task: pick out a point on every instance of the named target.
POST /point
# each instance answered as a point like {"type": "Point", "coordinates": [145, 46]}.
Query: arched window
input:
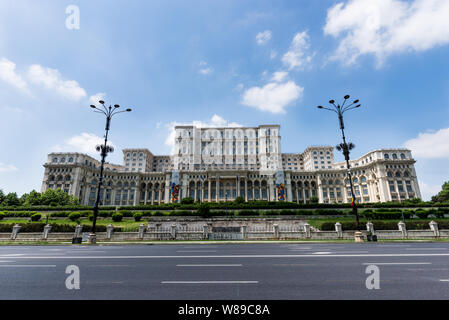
{"type": "Point", "coordinates": [63, 160]}
{"type": "Point", "coordinates": [406, 174]}
{"type": "Point", "coordinates": [70, 159]}
{"type": "Point", "coordinates": [398, 174]}
{"type": "Point", "coordinates": [386, 156]}
{"type": "Point", "coordinates": [395, 156]}
{"type": "Point", "coordinates": [55, 160]}
{"type": "Point", "coordinates": [389, 174]}
{"type": "Point", "coordinates": [402, 156]}
{"type": "Point", "coordinates": [363, 179]}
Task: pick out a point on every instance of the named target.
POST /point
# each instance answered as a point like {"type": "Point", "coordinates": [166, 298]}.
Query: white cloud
{"type": "Point", "coordinates": [84, 143]}
{"type": "Point", "coordinates": [273, 97]}
{"type": "Point", "coordinates": [263, 37]}
{"type": "Point", "coordinates": [279, 76]}
{"type": "Point", "coordinates": [384, 27]}
{"type": "Point", "coordinates": [428, 190]}
{"type": "Point", "coordinates": [297, 57]}
{"type": "Point", "coordinates": [7, 168]}
{"type": "Point", "coordinates": [430, 145]}
{"type": "Point", "coordinates": [214, 122]}
{"type": "Point", "coordinates": [205, 71]}
{"type": "Point", "coordinates": [97, 97]}
{"type": "Point", "coordinates": [52, 79]}
{"type": "Point", "coordinates": [9, 75]}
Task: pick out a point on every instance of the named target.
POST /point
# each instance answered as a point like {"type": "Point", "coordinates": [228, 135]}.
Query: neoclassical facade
{"type": "Point", "coordinates": [220, 164]}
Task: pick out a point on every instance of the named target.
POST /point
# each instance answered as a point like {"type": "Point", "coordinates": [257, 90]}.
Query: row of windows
{"type": "Point", "coordinates": [394, 156]}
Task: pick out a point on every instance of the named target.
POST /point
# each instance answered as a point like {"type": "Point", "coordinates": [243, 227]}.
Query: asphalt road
{"type": "Point", "coordinates": [227, 271]}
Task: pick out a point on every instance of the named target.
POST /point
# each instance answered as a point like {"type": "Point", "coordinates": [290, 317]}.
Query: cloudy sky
{"type": "Point", "coordinates": [233, 62]}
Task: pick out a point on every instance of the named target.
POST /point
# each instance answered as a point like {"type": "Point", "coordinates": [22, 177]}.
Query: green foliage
{"type": "Point", "coordinates": [204, 210]}
{"type": "Point", "coordinates": [11, 199]}
{"type": "Point", "coordinates": [187, 200]}
{"type": "Point", "coordinates": [91, 217]}
{"type": "Point", "coordinates": [2, 215]}
{"type": "Point", "coordinates": [422, 214]}
{"type": "Point", "coordinates": [36, 217]}
{"type": "Point", "coordinates": [158, 213]}
{"type": "Point", "coordinates": [74, 216]}
{"type": "Point", "coordinates": [239, 200]}
{"type": "Point", "coordinates": [313, 199]}
{"type": "Point", "coordinates": [117, 217]}
{"type": "Point", "coordinates": [443, 195]}
{"type": "Point", "coordinates": [247, 213]}
{"type": "Point", "coordinates": [2, 196]}
{"type": "Point", "coordinates": [137, 216]}
{"type": "Point", "coordinates": [125, 213]}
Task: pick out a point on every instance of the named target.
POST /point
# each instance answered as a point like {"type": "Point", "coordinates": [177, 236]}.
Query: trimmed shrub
{"type": "Point", "coordinates": [2, 215]}
{"type": "Point", "coordinates": [247, 213]}
{"type": "Point", "coordinates": [74, 216]}
{"type": "Point", "coordinates": [36, 217]}
{"type": "Point", "coordinates": [137, 216]}
{"type": "Point", "coordinates": [239, 200]}
{"type": "Point", "coordinates": [158, 213]}
{"type": "Point", "coordinates": [117, 217]}
{"type": "Point", "coordinates": [91, 217]}
{"type": "Point", "coordinates": [124, 213]}
{"type": "Point", "coordinates": [187, 200]}
{"type": "Point", "coordinates": [204, 210]}
{"type": "Point", "coordinates": [422, 214]}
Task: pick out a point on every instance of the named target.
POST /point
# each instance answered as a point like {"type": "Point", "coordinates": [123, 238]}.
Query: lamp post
{"type": "Point", "coordinates": [104, 150]}
{"type": "Point", "coordinates": [345, 148]}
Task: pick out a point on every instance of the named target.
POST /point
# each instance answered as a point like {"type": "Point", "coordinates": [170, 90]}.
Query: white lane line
{"type": "Point", "coordinates": [7, 261]}
{"type": "Point", "coordinates": [209, 265]}
{"type": "Point", "coordinates": [13, 255]}
{"type": "Point", "coordinates": [243, 256]}
{"type": "Point", "coordinates": [197, 251]}
{"type": "Point", "coordinates": [444, 280]}
{"type": "Point", "coordinates": [322, 252]}
{"type": "Point", "coordinates": [425, 248]}
{"type": "Point", "coordinates": [394, 263]}
{"type": "Point", "coordinates": [350, 252]}
{"type": "Point", "coordinates": [208, 282]}
{"type": "Point", "coordinates": [28, 266]}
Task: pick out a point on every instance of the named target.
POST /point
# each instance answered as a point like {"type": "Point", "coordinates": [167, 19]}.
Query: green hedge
{"type": "Point", "coordinates": [39, 227]}
{"type": "Point", "coordinates": [386, 225]}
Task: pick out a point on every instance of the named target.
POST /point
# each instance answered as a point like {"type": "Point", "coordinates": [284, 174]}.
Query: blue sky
{"type": "Point", "coordinates": [219, 62]}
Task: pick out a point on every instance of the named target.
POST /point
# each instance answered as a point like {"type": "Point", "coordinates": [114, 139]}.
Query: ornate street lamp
{"type": "Point", "coordinates": [346, 147]}
{"type": "Point", "coordinates": [104, 150]}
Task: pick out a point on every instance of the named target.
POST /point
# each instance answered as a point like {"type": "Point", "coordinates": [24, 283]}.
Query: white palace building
{"type": "Point", "coordinates": [220, 164]}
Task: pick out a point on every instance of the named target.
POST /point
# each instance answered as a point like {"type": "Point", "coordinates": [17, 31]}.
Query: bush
{"type": "Point", "coordinates": [247, 213]}
{"type": "Point", "coordinates": [137, 216]}
{"type": "Point", "coordinates": [2, 215]}
{"type": "Point", "coordinates": [74, 216]}
{"type": "Point", "coordinates": [36, 217]}
{"type": "Point", "coordinates": [124, 213]}
{"type": "Point", "coordinates": [91, 217]}
{"type": "Point", "coordinates": [239, 200]}
{"type": "Point", "coordinates": [203, 210]}
{"type": "Point", "coordinates": [187, 200]}
{"type": "Point", "coordinates": [422, 214]}
{"type": "Point", "coordinates": [158, 213]}
{"type": "Point", "coordinates": [117, 217]}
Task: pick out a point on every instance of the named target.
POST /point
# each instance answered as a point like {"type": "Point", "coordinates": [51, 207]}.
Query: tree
{"type": "Point", "coordinates": [443, 195]}
{"type": "Point", "coordinates": [33, 199]}
{"type": "Point", "coordinates": [11, 199]}
{"type": "Point", "coordinates": [2, 196]}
